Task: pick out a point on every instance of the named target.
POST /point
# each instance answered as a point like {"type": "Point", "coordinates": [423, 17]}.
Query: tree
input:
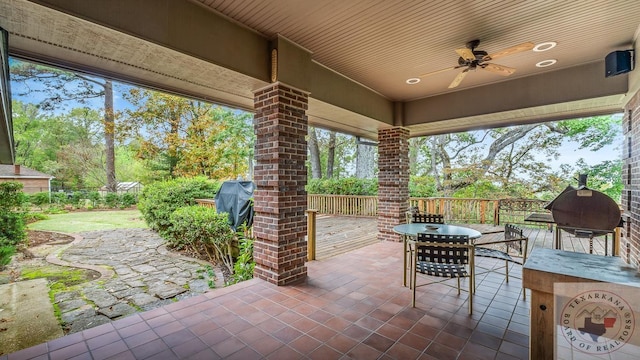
{"type": "Point", "coordinates": [365, 161]}
{"type": "Point", "coordinates": [314, 154]}
{"type": "Point", "coordinates": [177, 136]}
{"type": "Point", "coordinates": [332, 152]}
{"type": "Point", "coordinates": [59, 87]}
{"type": "Point", "coordinates": [506, 156]}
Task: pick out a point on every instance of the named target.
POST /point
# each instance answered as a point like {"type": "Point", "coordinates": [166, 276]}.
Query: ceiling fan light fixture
{"type": "Point", "coordinates": [545, 63]}
{"type": "Point", "coordinates": [413, 81]}
{"type": "Point", "coordinates": [544, 46]}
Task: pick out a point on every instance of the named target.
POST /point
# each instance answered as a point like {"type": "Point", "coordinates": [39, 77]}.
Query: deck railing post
{"type": "Point", "coordinates": [311, 234]}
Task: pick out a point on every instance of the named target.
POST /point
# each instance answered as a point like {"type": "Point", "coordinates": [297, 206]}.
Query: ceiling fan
{"type": "Point", "coordinates": [472, 59]}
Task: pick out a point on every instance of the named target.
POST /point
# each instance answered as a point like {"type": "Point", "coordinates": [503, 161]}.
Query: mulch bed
{"type": "Point", "coordinates": [36, 238]}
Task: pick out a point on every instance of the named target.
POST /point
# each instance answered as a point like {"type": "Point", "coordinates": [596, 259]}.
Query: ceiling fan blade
{"type": "Point", "coordinates": [458, 79]}
{"type": "Point", "coordinates": [499, 69]}
{"type": "Point", "coordinates": [509, 51]}
{"type": "Point", "coordinates": [466, 54]}
{"type": "Point", "coordinates": [438, 71]}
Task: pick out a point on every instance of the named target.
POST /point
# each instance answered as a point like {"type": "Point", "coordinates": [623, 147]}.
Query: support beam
{"type": "Point", "coordinates": [393, 181]}
{"type": "Point", "coordinates": [280, 248]}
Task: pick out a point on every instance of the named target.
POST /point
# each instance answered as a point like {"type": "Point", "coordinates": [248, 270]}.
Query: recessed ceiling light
{"type": "Point", "coordinates": [413, 81]}
{"type": "Point", "coordinates": [545, 46]}
{"type": "Point", "coordinates": [545, 63]}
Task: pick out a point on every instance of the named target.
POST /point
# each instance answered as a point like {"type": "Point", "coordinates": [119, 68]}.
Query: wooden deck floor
{"type": "Point", "coordinates": [339, 234]}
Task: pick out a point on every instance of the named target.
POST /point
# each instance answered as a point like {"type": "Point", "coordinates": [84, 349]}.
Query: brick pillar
{"type": "Point", "coordinates": [280, 201]}
{"type": "Point", "coordinates": [393, 180]}
{"type": "Point", "coordinates": [630, 242]}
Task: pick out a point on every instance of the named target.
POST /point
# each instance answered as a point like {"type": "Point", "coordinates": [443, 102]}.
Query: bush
{"type": "Point", "coordinates": [40, 199]}
{"type": "Point", "coordinates": [95, 198]}
{"type": "Point", "coordinates": [343, 186]}
{"type": "Point", "coordinates": [128, 200]}
{"type": "Point", "coordinates": [112, 200]}
{"type": "Point", "coordinates": [160, 199]}
{"type": "Point", "coordinates": [6, 252]}
{"type": "Point", "coordinates": [59, 198]}
{"type": "Point", "coordinates": [12, 230]}
{"type": "Point", "coordinates": [244, 265]}
{"type": "Point", "coordinates": [203, 231]}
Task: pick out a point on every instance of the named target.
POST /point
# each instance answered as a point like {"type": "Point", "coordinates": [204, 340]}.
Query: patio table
{"type": "Point", "coordinates": [410, 231]}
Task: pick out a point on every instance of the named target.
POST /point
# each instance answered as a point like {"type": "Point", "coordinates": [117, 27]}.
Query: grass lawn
{"type": "Point", "coordinates": [75, 222]}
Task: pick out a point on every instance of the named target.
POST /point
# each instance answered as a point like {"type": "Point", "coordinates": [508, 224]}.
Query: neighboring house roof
{"type": "Point", "coordinates": [9, 172]}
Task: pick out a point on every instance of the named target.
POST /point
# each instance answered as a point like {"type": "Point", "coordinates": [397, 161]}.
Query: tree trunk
{"type": "Point", "coordinates": [331, 154]}
{"type": "Point", "coordinates": [365, 163]}
{"type": "Point", "coordinates": [109, 133]}
{"type": "Point", "coordinates": [314, 155]}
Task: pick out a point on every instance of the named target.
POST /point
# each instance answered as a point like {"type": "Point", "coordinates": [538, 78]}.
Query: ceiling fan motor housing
{"type": "Point", "coordinates": [479, 54]}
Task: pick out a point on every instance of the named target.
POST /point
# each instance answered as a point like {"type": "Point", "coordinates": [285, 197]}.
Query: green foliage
{"type": "Point", "coordinates": [112, 200]}
{"type": "Point", "coordinates": [128, 200]}
{"type": "Point", "coordinates": [244, 265]}
{"type": "Point", "coordinates": [32, 217]}
{"type": "Point", "coordinates": [11, 196]}
{"type": "Point", "coordinates": [6, 252]}
{"type": "Point", "coordinates": [482, 189]}
{"type": "Point", "coordinates": [202, 230]}
{"type": "Point", "coordinates": [59, 198]}
{"type": "Point", "coordinates": [95, 198]}
{"type": "Point", "coordinates": [160, 199]}
{"type": "Point", "coordinates": [12, 227]}
{"type": "Point", "coordinates": [422, 186]}
{"type": "Point", "coordinates": [605, 177]}
{"type": "Point", "coordinates": [343, 186]}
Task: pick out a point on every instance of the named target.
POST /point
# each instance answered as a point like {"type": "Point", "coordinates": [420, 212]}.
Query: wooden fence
{"type": "Point", "coordinates": [455, 210]}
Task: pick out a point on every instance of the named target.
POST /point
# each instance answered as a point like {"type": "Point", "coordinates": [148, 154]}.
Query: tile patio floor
{"type": "Point", "coordinates": [352, 306]}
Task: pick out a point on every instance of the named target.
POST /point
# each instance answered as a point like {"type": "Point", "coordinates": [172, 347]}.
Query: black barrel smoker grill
{"type": "Point", "coordinates": [585, 213]}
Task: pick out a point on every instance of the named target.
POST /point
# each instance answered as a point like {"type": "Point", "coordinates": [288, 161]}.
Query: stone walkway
{"type": "Point", "coordinates": [138, 273]}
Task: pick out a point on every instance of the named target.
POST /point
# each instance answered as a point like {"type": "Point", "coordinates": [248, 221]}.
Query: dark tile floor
{"type": "Point", "coordinates": [352, 306]}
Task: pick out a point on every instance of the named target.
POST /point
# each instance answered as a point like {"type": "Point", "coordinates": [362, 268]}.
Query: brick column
{"type": "Point", "coordinates": [393, 180]}
{"type": "Point", "coordinates": [280, 201]}
{"type": "Point", "coordinates": [630, 241]}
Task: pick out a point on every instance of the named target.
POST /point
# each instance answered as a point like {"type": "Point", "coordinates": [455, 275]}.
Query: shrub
{"type": "Point", "coordinates": [59, 198]}
{"type": "Point", "coordinates": [203, 231]}
{"type": "Point", "coordinates": [95, 198]}
{"type": "Point", "coordinates": [12, 230]}
{"type": "Point", "coordinates": [112, 200]}
{"type": "Point", "coordinates": [6, 252]}
{"type": "Point", "coordinates": [343, 186]}
{"type": "Point", "coordinates": [160, 199]}
{"type": "Point", "coordinates": [75, 199]}
{"type": "Point", "coordinates": [128, 200]}
{"type": "Point", "coordinates": [244, 265]}
{"type": "Point", "coordinates": [40, 199]}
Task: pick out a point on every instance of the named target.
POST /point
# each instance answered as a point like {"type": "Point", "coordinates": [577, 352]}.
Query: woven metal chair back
{"type": "Point", "coordinates": [512, 232]}
{"type": "Point", "coordinates": [428, 218]}
{"type": "Point", "coordinates": [443, 254]}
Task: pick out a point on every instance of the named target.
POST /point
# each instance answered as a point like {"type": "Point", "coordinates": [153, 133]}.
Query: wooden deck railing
{"type": "Point", "coordinates": [343, 204]}
{"type": "Point", "coordinates": [455, 210]}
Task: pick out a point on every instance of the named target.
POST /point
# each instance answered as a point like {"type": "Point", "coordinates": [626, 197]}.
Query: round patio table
{"type": "Point", "coordinates": [410, 232]}
{"type": "Point", "coordinates": [413, 229]}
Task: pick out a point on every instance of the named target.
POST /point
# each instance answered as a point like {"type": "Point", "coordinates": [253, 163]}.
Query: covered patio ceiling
{"type": "Point", "coordinates": [353, 57]}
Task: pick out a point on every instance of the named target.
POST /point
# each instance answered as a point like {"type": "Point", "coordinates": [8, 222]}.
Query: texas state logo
{"type": "Point", "coordinates": [597, 322]}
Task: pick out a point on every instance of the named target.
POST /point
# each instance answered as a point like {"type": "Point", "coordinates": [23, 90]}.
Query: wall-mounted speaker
{"type": "Point", "coordinates": [618, 62]}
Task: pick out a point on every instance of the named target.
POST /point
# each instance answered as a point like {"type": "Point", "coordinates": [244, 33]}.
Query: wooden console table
{"type": "Point", "coordinates": [546, 267]}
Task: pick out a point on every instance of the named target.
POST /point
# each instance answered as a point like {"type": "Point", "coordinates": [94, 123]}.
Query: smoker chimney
{"type": "Point", "coordinates": [16, 169]}
{"type": "Point", "coordinates": [582, 181]}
